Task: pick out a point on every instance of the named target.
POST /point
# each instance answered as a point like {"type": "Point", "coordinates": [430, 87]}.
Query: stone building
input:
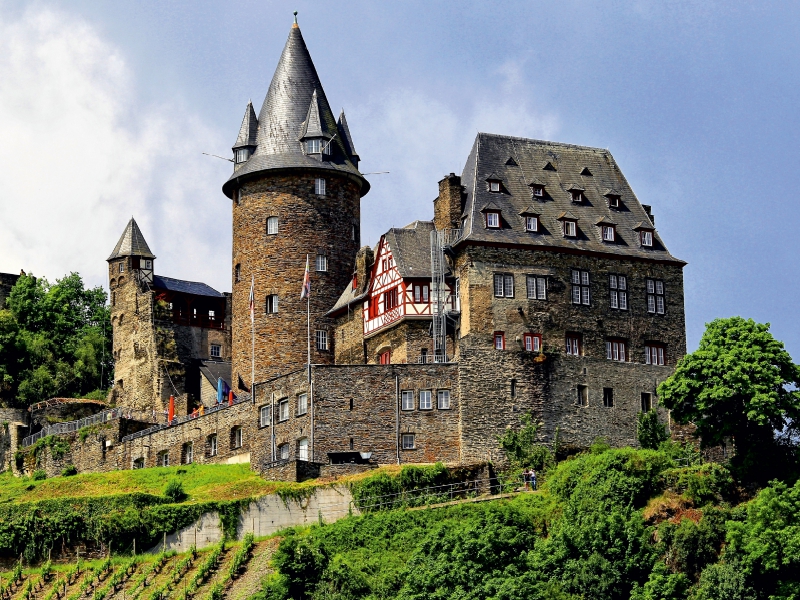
{"type": "Point", "coordinates": [7, 281]}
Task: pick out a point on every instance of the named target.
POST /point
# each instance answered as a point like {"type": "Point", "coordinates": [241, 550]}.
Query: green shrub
{"type": "Point", "coordinates": [69, 470]}
{"type": "Point", "coordinates": [39, 475]}
{"type": "Point", "coordinates": [709, 482]}
{"type": "Point", "coordinates": [174, 491]}
{"type": "Point", "coordinates": [650, 431]}
{"type": "Point", "coordinates": [521, 448]}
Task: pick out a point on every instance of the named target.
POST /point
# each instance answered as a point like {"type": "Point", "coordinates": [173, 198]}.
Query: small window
{"type": "Point", "coordinates": [321, 338]}
{"type": "Point", "coordinates": [138, 463]}
{"type": "Point", "coordinates": [536, 287]}
{"type": "Point", "coordinates": [148, 264]}
{"type": "Point", "coordinates": [613, 201]}
{"type": "Point", "coordinates": [654, 354]}
{"type": "Point", "coordinates": [531, 223]}
{"type": "Point", "coordinates": [421, 293]}
{"type": "Point", "coordinates": [237, 273]}
{"type": "Point", "coordinates": [321, 264]}
{"type": "Point", "coordinates": [313, 146]}
{"type": "Point", "coordinates": [352, 444]}
{"type": "Point", "coordinates": [216, 351]}
{"type": "Point", "coordinates": [242, 154]}
{"type": "Point", "coordinates": [188, 453]}
{"type": "Point", "coordinates": [351, 404]}
{"type": "Point", "coordinates": [494, 186]}
{"type": "Point", "coordinates": [272, 225]}
{"type": "Point", "coordinates": [302, 449]}
{"type": "Point", "coordinates": [407, 400]}
{"type": "Point", "coordinates": [647, 238]}
{"type": "Point", "coordinates": [499, 340]}
{"type": "Point", "coordinates": [385, 358]}
{"type": "Point", "coordinates": [390, 299]}
{"type": "Point", "coordinates": [113, 298]}
{"type": "Point", "coordinates": [272, 303]}
{"type": "Point", "coordinates": [577, 196]}
{"type": "Point", "coordinates": [319, 186]}
{"type": "Point", "coordinates": [355, 280]}
{"type": "Point", "coordinates": [618, 291]}
{"type": "Point", "coordinates": [493, 220]}
{"type": "Point", "coordinates": [581, 291]}
{"type": "Point", "coordinates": [532, 342]}
{"type": "Point", "coordinates": [608, 397]}
{"type": "Point", "coordinates": [573, 344]}
{"type": "Point", "coordinates": [608, 233]}
{"type": "Point", "coordinates": [616, 350]}
{"type": "Point", "coordinates": [569, 228]}
{"type": "Point", "coordinates": [503, 285]}
{"type": "Point", "coordinates": [443, 399]}
{"type": "Point", "coordinates": [513, 391]}
{"type": "Point", "coordinates": [302, 404]}
{"type": "Point", "coordinates": [425, 400]}
{"type": "Point", "coordinates": [582, 397]}
{"type": "Point", "coordinates": [647, 401]}
{"type": "Point", "coordinates": [162, 458]}
{"type": "Point", "coordinates": [537, 191]}
{"type": "Point", "coordinates": [407, 440]}
{"type": "Point", "coordinates": [236, 437]}
{"type": "Point", "coordinates": [265, 416]}
{"type": "Point", "coordinates": [283, 451]}
{"type": "Point", "coordinates": [655, 296]}
{"type": "Point", "coordinates": [122, 267]}
{"type": "Point", "coordinates": [212, 444]}
{"type": "Point", "coordinates": [283, 410]}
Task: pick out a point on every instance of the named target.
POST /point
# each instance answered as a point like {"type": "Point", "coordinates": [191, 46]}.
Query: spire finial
{"type": "Point", "coordinates": [295, 20]}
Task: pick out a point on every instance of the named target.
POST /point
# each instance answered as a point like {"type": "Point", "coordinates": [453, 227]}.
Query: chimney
{"type": "Point", "coordinates": [364, 259]}
{"type": "Point", "coordinates": [649, 212]}
{"type": "Point", "coordinates": [449, 205]}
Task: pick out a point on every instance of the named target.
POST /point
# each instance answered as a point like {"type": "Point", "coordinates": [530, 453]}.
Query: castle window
{"type": "Point", "coordinates": [216, 351]}
{"type": "Point", "coordinates": [390, 299]}
{"type": "Point", "coordinates": [138, 463]}
{"type": "Point", "coordinates": [321, 264]}
{"type": "Point", "coordinates": [283, 451]}
{"type": "Point", "coordinates": [319, 186]}
{"type": "Point", "coordinates": [212, 444]}
{"type": "Point", "coordinates": [407, 440]}
{"type": "Point", "coordinates": [494, 186]}
{"type": "Point", "coordinates": [188, 453]}
{"type": "Point", "coordinates": [425, 400]}
{"type": "Point", "coordinates": [407, 400]}
{"type": "Point", "coordinates": [513, 391]}
{"type": "Point", "coordinates": [608, 397]}
{"type": "Point", "coordinates": [443, 399]}
{"type": "Point", "coordinates": [616, 350]}
{"type": "Point", "coordinates": [302, 404]}
{"type": "Point", "coordinates": [609, 235]}
{"type": "Point", "coordinates": [148, 264]}
{"type": "Point", "coordinates": [531, 223]}
{"type": "Point", "coordinates": [532, 342]}
{"type": "Point", "coordinates": [265, 416]}
{"type": "Point", "coordinates": [577, 196]}
{"type": "Point", "coordinates": [647, 238]}
{"type": "Point", "coordinates": [581, 291]}
{"type": "Point", "coordinates": [242, 154]}
{"type": "Point", "coordinates": [122, 267]}
{"type": "Point", "coordinates": [283, 410]}
{"type": "Point", "coordinates": [236, 437]}
{"type": "Point", "coordinates": [573, 344]}
{"type": "Point", "coordinates": [499, 340]}
{"type": "Point", "coordinates": [503, 285]}
{"type": "Point", "coordinates": [302, 449]}
{"type": "Point", "coordinates": [569, 228]}
{"type": "Point", "coordinates": [647, 401]}
{"type": "Point", "coordinates": [618, 286]}
{"type": "Point", "coordinates": [272, 225]}
{"type": "Point", "coordinates": [582, 398]}
{"type": "Point", "coordinates": [351, 404]}
{"type": "Point", "coordinates": [272, 303]}
{"type": "Point", "coordinates": [162, 458]}
{"type": "Point", "coordinates": [654, 354]}
{"type": "Point", "coordinates": [237, 273]}
{"type": "Point", "coordinates": [352, 444]}
{"type": "Point", "coordinates": [385, 358]}
{"type": "Point", "coordinates": [321, 339]}
{"type": "Point", "coordinates": [536, 287]}
{"type": "Point", "coordinates": [655, 296]}
{"type": "Point", "coordinates": [313, 146]}
{"type": "Point", "coordinates": [493, 220]}
{"type": "Point", "coordinates": [421, 293]}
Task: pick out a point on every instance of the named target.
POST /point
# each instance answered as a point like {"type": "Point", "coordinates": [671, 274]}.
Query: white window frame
{"type": "Point", "coordinates": [581, 287]}
{"type": "Point", "coordinates": [656, 297]}
{"type": "Point", "coordinates": [302, 449]}
{"type": "Point", "coordinates": [617, 350]}
{"type": "Point", "coordinates": [493, 220]}
{"type": "Point", "coordinates": [613, 201]}
{"type": "Point", "coordinates": [242, 154]}
{"type": "Point", "coordinates": [188, 453]}
{"type": "Point", "coordinates": [148, 264]}
{"type": "Point", "coordinates": [215, 351]}
{"type": "Point", "coordinates": [272, 225]}
{"type": "Point", "coordinates": [569, 228]}
{"type": "Point", "coordinates": [283, 451]}
{"type": "Point", "coordinates": [532, 224]}
{"type": "Point", "coordinates": [538, 190]}
{"type": "Point", "coordinates": [314, 146]}
{"type": "Point", "coordinates": [302, 404]}
{"type": "Point", "coordinates": [618, 291]}
{"type": "Point", "coordinates": [319, 186]}
{"type": "Point", "coordinates": [443, 399]}
{"type": "Point", "coordinates": [577, 197]}
{"type": "Point", "coordinates": [321, 263]}
{"type": "Point", "coordinates": [654, 354]}
{"type": "Point", "coordinates": [573, 344]}
{"type": "Point", "coordinates": [609, 233]}
{"type": "Point", "coordinates": [499, 340]}
{"type": "Point", "coordinates": [238, 437]}
{"type": "Point", "coordinates": [283, 410]}
{"type": "Point", "coordinates": [646, 238]}
{"type": "Point", "coordinates": [532, 342]}
{"type": "Point", "coordinates": [213, 446]}
{"type": "Point", "coordinates": [503, 285]}
{"type": "Point", "coordinates": [425, 400]}
{"type": "Point", "coordinates": [407, 400]}
{"type": "Point", "coordinates": [272, 304]}
{"type": "Point", "coordinates": [536, 287]}
{"type": "Point", "coordinates": [321, 340]}
{"type": "Point", "coordinates": [494, 186]}
{"type": "Point", "coordinates": [265, 416]}
{"type": "Point", "coordinates": [407, 441]}
{"type": "Point", "coordinates": [163, 458]}
{"type": "Point", "coordinates": [122, 267]}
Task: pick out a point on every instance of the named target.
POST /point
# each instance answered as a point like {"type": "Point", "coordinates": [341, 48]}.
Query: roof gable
{"type": "Point", "coordinates": [131, 243]}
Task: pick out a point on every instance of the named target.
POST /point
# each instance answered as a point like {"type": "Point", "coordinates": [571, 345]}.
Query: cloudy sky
{"type": "Point", "coordinates": [106, 107]}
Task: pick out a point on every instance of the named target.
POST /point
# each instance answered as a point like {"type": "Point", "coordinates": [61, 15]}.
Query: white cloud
{"type": "Point", "coordinates": [79, 156]}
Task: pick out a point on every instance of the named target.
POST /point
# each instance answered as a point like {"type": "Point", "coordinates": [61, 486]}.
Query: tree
{"type": "Point", "coordinates": [521, 447]}
{"type": "Point", "coordinates": [55, 339]}
{"type": "Point", "coordinates": [740, 383]}
{"type": "Point", "coordinates": [650, 431]}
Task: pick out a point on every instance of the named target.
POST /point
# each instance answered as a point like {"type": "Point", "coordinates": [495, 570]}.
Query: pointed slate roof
{"type": "Point", "coordinates": [131, 243]}
{"type": "Point", "coordinates": [281, 122]}
{"type": "Point", "coordinates": [344, 133]}
{"type": "Point", "coordinates": [248, 130]}
{"type": "Point", "coordinates": [315, 125]}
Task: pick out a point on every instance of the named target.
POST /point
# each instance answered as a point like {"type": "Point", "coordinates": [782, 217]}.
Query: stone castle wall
{"type": "Point", "coordinates": [7, 281]}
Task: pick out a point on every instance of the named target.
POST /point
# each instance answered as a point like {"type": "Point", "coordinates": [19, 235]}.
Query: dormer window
{"type": "Point", "coordinates": [532, 223]}
{"type": "Point", "coordinates": [613, 201]}
{"type": "Point", "coordinates": [494, 186]}
{"type": "Point", "coordinates": [493, 220]}
{"type": "Point", "coordinates": [537, 191]}
{"type": "Point", "coordinates": [569, 228]}
{"type": "Point", "coordinates": [646, 238]}
{"type": "Point", "coordinates": [577, 196]}
{"type": "Point", "coordinates": [609, 234]}
{"type": "Point", "coordinates": [242, 154]}
{"type": "Point", "coordinates": [313, 146]}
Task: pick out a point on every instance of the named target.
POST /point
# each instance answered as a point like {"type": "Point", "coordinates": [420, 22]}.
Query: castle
{"type": "Point", "coordinates": [540, 286]}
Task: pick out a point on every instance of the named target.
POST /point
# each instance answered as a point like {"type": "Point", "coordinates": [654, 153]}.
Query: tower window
{"type": "Point", "coordinates": [319, 186]}
{"type": "Point", "coordinates": [655, 296]}
{"type": "Point", "coordinates": [113, 298]}
{"type": "Point", "coordinates": [647, 238]}
{"type": "Point", "coordinates": [321, 337]}
{"type": "Point", "coordinates": [313, 146]}
{"type": "Point", "coordinates": [148, 264]}
{"type": "Point", "coordinates": [216, 351]}
{"type": "Point", "coordinates": [577, 196]}
{"type": "Point", "coordinates": [272, 225]}
{"type": "Point", "coordinates": [122, 267]}
{"type": "Point", "coordinates": [608, 397]}
{"type": "Point", "coordinates": [212, 444]}
{"type": "Point", "coordinates": [538, 191]}
{"type": "Point", "coordinates": [618, 286]}
{"type": "Point", "coordinates": [499, 340]}
{"type": "Point", "coordinates": [407, 441]}
{"type": "Point", "coordinates": [272, 303]}
{"type": "Point", "coordinates": [613, 201]}
{"type": "Point", "coordinates": [321, 263]}
{"type": "Point", "coordinates": [531, 223]}
{"type": "Point", "coordinates": [242, 154]}
{"type": "Point", "coordinates": [425, 400]}
{"type": "Point", "coordinates": [443, 399]}
{"type": "Point", "coordinates": [536, 287]}
{"type": "Point", "coordinates": [283, 410]}
{"type": "Point", "coordinates": [237, 273]}
{"type": "Point", "coordinates": [265, 416]}
{"type": "Point", "coordinates": [581, 293]}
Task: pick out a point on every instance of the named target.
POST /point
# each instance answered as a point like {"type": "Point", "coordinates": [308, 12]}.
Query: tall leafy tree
{"type": "Point", "coordinates": [55, 340]}
{"type": "Point", "coordinates": [740, 383]}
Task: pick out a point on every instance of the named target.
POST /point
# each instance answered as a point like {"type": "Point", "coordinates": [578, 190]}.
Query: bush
{"type": "Point", "coordinates": [705, 483]}
{"type": "Point", "coordinates": [174, 491]}
{"type": "Point", "coordinates": [39, 475]}
{"type": "Point", "coordinates": [650, 431]}
{"type": "Point", "coordinates": [69, 470]}
{"type": "Point", "coordinates": [521, 448]}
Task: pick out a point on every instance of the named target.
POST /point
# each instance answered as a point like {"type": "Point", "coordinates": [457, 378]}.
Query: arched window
{"type": "Point", "coordinates": [272, 225]}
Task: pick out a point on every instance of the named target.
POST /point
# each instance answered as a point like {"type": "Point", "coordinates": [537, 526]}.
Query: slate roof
{"type": "Point", "coordinates": [411, 248]}
{"type": "Point", "coordinates": [186, 287]}
{"type": "Point", "coordinates": [212, 370]}
{"type": "Point", "coordinates": [249, 129]}
{"type": "Point", "coordinates": [294, 95]}
{"type": "Point", "coordinates": [488, 157]}
{"type": "Point", "coordinates": [131, 243]}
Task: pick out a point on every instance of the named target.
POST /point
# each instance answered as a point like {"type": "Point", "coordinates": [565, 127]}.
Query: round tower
{"type": "Point", "coordinates": [296, 193]}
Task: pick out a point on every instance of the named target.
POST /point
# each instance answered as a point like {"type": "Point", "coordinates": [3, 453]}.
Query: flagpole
{"type": "Point", "coordinates": [308, 347]}
{"type": "Point", "coordinates": [252, 341]}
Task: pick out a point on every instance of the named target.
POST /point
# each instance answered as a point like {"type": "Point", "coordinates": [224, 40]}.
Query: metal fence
{"type": "Point", "coordinates": [73, 426]}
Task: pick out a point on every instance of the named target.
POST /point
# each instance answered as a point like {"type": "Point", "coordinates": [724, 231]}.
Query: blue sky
{"type": "Point", "coordinates": [105, 108]}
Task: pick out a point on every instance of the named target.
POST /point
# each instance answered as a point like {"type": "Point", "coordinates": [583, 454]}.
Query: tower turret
{"type": "Point", "coordinates": [296, 196]}
{"type": "Point", "coordinates": [245, 143]}
{"type": "Point", "coordinates": [131, 255]}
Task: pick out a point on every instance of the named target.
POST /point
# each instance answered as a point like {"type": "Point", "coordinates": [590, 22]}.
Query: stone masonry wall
{"type": "Point", "coordinates": [7, 281]}
{"type": "Point", "coordinates": [348, 343]}
{"type": "Point", "coordinates": [13, 427]}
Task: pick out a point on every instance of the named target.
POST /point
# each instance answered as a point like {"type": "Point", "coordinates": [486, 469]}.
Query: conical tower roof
{"type": "Point", "coordinates": [295, 95]}
{"type": "Point", "coordinates": [249, 129]}
{"type": "Point", "coordinates": [131, 243]}
{"type": "Point", "coordinates": [344, 132]}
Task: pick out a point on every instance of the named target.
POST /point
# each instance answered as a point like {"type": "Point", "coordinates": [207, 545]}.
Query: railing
{"type": "Point", "coordinates": [429, 359]}
{"type": "Point", "coordinates": [186, 418]}
{"type": "Point", "coordinates": [73, 426]}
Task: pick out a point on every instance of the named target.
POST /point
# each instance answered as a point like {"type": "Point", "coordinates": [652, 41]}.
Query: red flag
{"type": "Point", "coordinates": [171, 413]}
{"type": "Point", "coordinates": [306, 283]}
{"type": "Point", "coordinates": [230, 398]}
